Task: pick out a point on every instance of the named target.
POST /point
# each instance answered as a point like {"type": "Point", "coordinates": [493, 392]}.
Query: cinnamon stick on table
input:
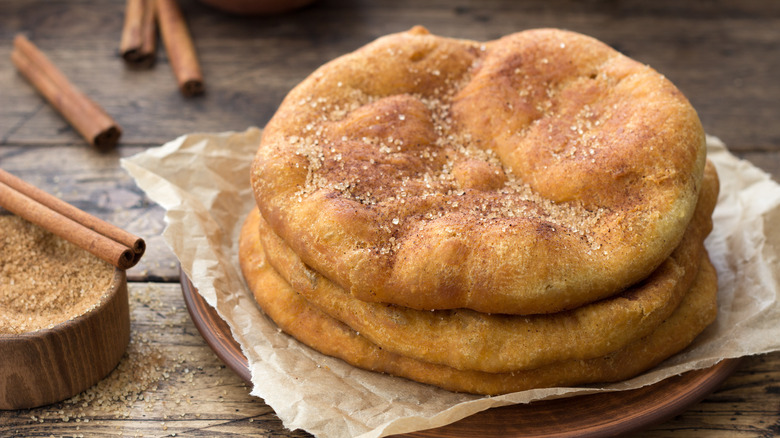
{"type": "Point", "coordinates": [106, 241]}
{"type": "Point", "coordinates": [139, 33]}
{"type": "Point", "coordinates": [178, 44]}
{"type": "Point", "coordinates": [86, 116]}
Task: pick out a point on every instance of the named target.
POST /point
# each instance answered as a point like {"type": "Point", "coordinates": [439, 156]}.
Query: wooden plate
{"type": "Point", "coordinates": [596, 415]}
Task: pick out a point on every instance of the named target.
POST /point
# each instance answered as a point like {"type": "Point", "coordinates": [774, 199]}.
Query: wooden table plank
{"type": "Point", "coordinates": [715, 55]}
{"type": "Point", "coordinates": [747, 404]}
{"type": "Point", "coordinates": [722, 55]}
{"type": "Point", "coordinates": [170, 382]}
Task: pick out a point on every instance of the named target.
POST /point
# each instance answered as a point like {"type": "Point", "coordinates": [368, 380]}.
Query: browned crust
{"type": "Point", "coordinates": [530, 174]}
{"type": "Point", "coordinates": [465, 339]}
{"type": "Point", "coordinates": [293, 314]}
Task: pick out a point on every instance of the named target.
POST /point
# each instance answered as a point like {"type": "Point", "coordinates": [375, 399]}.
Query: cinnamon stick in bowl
{"type": "Point", "coordinates": [86, 116]}
{"type": "Point", "coordinates": [64, 317]}
{"type": "Point", "coordinates": [106, 241]}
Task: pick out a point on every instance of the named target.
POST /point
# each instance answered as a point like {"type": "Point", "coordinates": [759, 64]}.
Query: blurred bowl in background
{"type": "Point", "coordinates": [256, 7]}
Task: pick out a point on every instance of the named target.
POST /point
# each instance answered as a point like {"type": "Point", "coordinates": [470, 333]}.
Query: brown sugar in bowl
{"type": "Point", "coordinates": [45, 363]}
{"type": "Point", "coordinates": [49, 365]}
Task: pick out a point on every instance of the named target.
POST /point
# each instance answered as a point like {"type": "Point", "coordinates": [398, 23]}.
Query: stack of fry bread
{"type": "Point", "coordinates": [487, 218]}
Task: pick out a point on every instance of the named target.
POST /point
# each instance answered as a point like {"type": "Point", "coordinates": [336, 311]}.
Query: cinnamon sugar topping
{"type": "Point", "coordinates": [424, 156]}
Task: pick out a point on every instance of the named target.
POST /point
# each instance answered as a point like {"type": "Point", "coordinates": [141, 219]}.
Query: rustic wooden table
{"type": "Point", "coordinates": [723, 55]}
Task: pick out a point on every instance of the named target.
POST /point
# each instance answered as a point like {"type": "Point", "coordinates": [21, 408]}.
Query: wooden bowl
{"type": "Point", "coordinates": [51, 365]}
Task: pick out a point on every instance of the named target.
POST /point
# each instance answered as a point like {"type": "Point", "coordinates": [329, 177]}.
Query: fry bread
{"type": "Point", "coordinates": [469, 340]}
{"type": "Point", "coordinates": [297, 317]}
{"type": "Point", "coordinates": [530, 174]}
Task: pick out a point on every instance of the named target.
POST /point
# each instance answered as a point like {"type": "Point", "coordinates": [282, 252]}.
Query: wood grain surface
{"type": "Point", "coordinates": [722, 54]}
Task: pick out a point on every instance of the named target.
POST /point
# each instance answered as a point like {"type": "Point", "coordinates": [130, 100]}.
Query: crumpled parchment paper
{"type": "Point", "coordinates": [202, 181]}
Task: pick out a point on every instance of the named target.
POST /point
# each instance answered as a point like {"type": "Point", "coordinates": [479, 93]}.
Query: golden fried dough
{"type": "Point", "coordinates": [530, 174]}
{"type": "Point", "coordinates": [465, 339]}
{"type": "Point", "coordinates": [293, 314]}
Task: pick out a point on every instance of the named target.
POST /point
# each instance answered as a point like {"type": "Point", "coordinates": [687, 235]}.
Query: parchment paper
{"type": "Point", "coordinates": [202, 180]}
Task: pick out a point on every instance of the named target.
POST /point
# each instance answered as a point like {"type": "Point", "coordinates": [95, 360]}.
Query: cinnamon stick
{"type": "Point", "coordinates": [86, 116]}
{"type": "Point", "coordinates": [139, 33]}
{"type": "Point", "coordinates": [178, 44]}
{"type": "Point", "coordinates": [106, 241]}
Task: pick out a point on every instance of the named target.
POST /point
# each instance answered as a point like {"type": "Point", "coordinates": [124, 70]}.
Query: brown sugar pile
{"type": "Point", "coordinates": [45, 280]}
